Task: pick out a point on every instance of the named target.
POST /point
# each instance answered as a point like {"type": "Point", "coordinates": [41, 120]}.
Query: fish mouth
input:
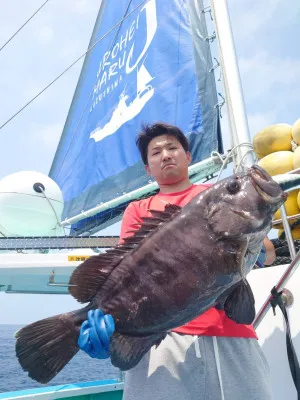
{"type": "Point", "coordinates": [266, 186]}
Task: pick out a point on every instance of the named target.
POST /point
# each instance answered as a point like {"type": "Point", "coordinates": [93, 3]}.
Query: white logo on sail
{"type": "Point", "coordinates": [125, 112]}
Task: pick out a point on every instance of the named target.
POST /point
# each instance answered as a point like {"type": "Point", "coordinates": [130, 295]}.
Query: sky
{"type": "Point", "coordinates": [266, 37]}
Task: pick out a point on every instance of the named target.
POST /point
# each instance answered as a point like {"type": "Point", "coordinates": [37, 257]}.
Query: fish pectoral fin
{"type": "Point", "coordinates": [239, 305]}
{"type": "Point", "coordinates": [89, 276]}
{"type": "Point", "coordinates": [126, 351]}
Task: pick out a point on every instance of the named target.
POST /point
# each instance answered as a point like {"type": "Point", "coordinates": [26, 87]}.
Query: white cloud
{"type": "Point", "coordinates": [259, 121]}
{"type": "Point", "coordinates": [50, 42]}
{"type": "Point", "coordinates": [78, 6]}
{"type": "Point", "coordinates": [269, 71]}
{"type": "Point", "coordinates": [48, 135]}
{"type": "Point", "coordinates": [268, 59]}
{"type": "Point", "coordinates": [81, 6]}
{"type": "Point", "coordinates": [271, 85]}
{"type": "Point", "coordinates": [46, 35]}
{"type": "Point", "coordinates": [251, 16]}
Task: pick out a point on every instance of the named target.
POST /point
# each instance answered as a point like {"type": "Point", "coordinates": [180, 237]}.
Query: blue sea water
{"type": "Point", "coordinates": [81, 368]}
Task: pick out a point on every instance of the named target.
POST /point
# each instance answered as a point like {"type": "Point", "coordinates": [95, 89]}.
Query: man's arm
{"type": "Point", "coordinates": [267, 254]}
{"type": "Point", "coordinates": [270, 252]}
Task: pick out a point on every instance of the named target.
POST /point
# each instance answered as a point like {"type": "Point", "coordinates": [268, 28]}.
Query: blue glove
{"type": "Point", "coordinates": [95, 333]}
{"type": "Point", "coordinates": [262, 257]}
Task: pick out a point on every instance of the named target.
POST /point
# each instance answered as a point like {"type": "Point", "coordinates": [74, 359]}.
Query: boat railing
{"type": "Point", "coordinates": [295, 257]}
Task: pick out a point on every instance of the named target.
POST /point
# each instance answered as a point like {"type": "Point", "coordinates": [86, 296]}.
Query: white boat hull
{"type": "Point", "coordinates": [271, 331]}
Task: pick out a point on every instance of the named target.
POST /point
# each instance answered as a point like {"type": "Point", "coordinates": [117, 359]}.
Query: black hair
{"type": "Point", "coordinates": [149, 132]}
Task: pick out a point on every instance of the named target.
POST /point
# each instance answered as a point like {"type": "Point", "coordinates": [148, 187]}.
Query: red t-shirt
{"type": "Point", "coordinates": [213, 322]}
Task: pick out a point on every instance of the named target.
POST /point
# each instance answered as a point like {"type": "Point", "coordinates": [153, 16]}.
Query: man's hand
{"type": "Point", "coordinates": [95, 334]}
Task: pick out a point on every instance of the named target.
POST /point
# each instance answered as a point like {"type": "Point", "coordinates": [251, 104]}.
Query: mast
{"type": "Point", "coordinates": [238, 122]}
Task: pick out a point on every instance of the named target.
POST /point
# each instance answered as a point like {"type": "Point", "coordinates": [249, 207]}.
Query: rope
{"type": "Point", "coordinates": [91, 93]}
{"type": "Point", "coordinates": [229, 155]}
{"type": "Point", "coordinates": [291, 352]}
{"type": "Point", "coordinates": [281, 261]}
{"type": "Point", "coordinates": [282, 251]}
{"type": "Point", "coordinates": [67, 69]}
{"type": "Point", "coordinates": [53, 209]}
{"type": "Point", "coordinates": [22, 26]}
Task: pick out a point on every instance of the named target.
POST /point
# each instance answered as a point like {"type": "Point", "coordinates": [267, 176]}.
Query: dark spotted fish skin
{"type": "Point", "coordinates": [177, 265]}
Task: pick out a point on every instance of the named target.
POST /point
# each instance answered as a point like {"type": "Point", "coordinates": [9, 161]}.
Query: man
{"type": "Point", "coordinates": [209, 358]}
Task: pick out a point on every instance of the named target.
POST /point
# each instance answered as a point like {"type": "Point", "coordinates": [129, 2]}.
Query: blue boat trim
{"type": "Point", "coordinates": [67, 389]}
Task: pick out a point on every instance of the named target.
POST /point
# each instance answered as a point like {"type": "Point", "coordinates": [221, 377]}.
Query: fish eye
{"type": "Point", "coordinates": [233, 186]}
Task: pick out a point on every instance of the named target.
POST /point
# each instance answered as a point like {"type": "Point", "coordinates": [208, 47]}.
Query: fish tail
{"type": "Point", "coordinates": [44, 347]}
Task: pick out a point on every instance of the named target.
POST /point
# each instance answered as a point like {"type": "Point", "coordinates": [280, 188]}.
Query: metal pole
{"type": "Point", "coordinates": [280, 285]}
{"type": "Point", "coordinates": [233, 87]}
{"type": "Point", "coordinates": [197, 171]}
{"type": "Point", "coordinates": [288, 233]}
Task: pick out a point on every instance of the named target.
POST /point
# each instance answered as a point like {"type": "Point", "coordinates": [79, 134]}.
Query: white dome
{"type": "Point", "coordinates": [24, 210]}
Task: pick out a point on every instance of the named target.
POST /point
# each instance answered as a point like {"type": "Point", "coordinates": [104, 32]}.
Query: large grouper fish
{"type": "Point", "coordinates": [178, 264]}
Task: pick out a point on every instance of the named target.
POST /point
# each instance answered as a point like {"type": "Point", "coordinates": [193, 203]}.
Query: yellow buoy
{"type": "Point", "coordinates": [296, 132]}
{"type": "Point", "coordinates": [277, 163]}
{"type": "Point", "coordinates": [298, 199]}
{"type": "Point", "coordinates": [295, 233]}
{"type": "Point", "coordinates": [291, 206]}
{"type": "Point", "coordinates": [296, 158]}
{"type": "Point", "coordinates": [273, 138]}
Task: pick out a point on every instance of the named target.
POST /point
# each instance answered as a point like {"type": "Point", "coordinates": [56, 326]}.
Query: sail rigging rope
{"type": "Point", "coordinates": [70, 66]}
{"type": "Point", "coordinates": [53, 209]}
{"type": "Point", "coordinates": [91, 93]}
{"type": "Point", "coordinates": [22, 26]}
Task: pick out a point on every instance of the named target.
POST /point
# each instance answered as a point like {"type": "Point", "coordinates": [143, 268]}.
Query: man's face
{"type": "Point", "coordinates": [167, 160]}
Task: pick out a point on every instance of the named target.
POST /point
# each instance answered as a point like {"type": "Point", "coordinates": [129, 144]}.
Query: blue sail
{"type": "Point", "coordinates": [150, 62]}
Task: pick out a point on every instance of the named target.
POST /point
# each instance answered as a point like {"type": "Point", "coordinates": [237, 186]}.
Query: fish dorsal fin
{"type": "Point", "coordinates": [240, 304]}
{"type": "Point", "coordinates": [149, 224]}
{"type": "Point", "coordinates": [126, 351]}
{"type": "Point", "coordinates": [89, 276]}
{"type": "Point", "coordinates": [169, 211]}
